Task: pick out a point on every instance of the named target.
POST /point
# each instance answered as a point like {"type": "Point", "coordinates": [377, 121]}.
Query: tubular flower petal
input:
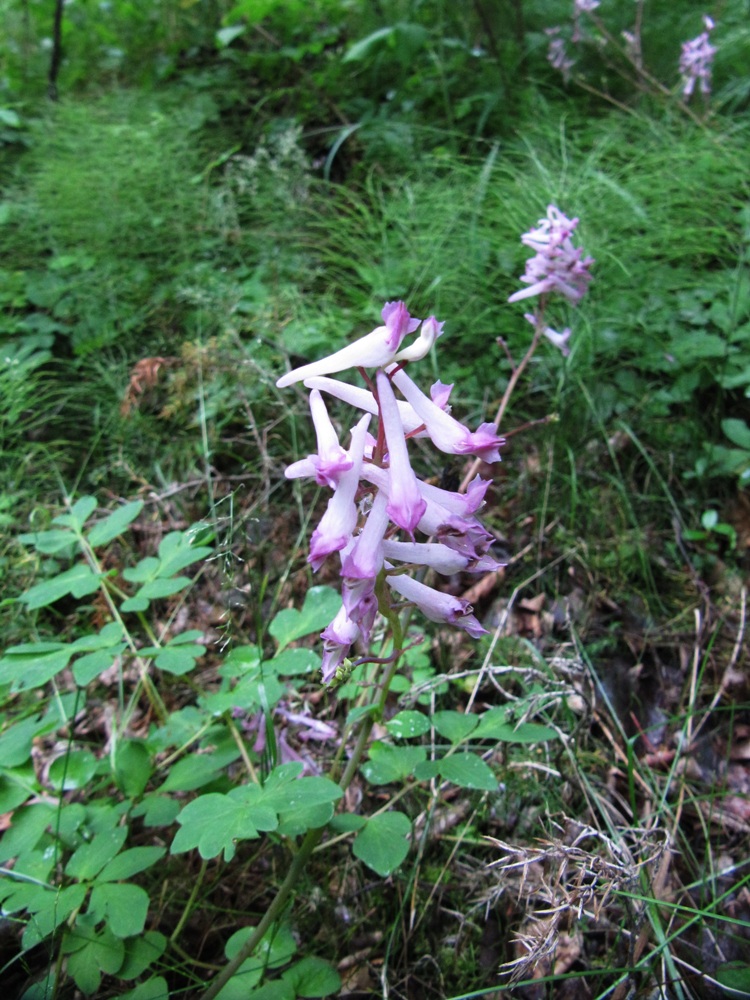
{"type": "Point", "coordinates": [374, 350]}
{"type": "Point", "coordinates": [436, 606]}
{"type": "Point", "coordinates": [458, 503]}
{"type": "Point", "coordinates": [560, 340]}
{"type": "Point", "coordinates": [421, 345]}
{"type": "Point", "coordinates": [446, 433]}
{"type": "Point", "coordinates": [362, 399]}
{"type": "Point", "coordinates": [364, 560]}
{"type": "Point", "coordinates": [331, 459]}
{"type": "Point", "coordinates": [338, 638]}
{"type": "Point", "coordinates": [439, 557]}
{"type": "Point", "coordinates": [340, 519]}
{"type": "Point", "coordinates": [405, 504]}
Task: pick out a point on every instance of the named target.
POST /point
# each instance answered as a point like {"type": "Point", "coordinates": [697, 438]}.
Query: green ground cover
{"type": "Point", "coordinates": [560, 808]}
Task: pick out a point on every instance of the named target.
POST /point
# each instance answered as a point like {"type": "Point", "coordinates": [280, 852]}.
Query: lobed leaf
{"type": "Point", "coordinates": [382, 845]}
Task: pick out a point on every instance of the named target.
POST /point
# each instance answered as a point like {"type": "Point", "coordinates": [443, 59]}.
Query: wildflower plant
{"type": "Point", "coordinates": [624, 55]}
{"type": "Point", "coordinates": [392, 536]}
{"type": "Point", "coordinates": [380, 505]}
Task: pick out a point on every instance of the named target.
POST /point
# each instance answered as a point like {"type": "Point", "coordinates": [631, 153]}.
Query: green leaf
{"type": "Point", "coordinates": [123, 906]}
{"type": "Point", "coordinates": [313, 977]}
{"type": "Point", "coordinates": [176, 552]}
{"type": "Point", "coordinates": [140, 952]}
{"type": "Point", "coordinates": [295, 662]}
{"type": "Point", "coordinates": [132, 767]}
{"type": "Point", "coordinates": [179, 659]}
{"type": "Point", "coordinates": [79, 580]}
{"type": "Point", "coordinates": [72, 770]}
{"type": "Point", "coordinates": [734, 978]}
{"type": "Point", "coordinates": [129, 863]}
{"type": "Point", "coordinates": [32, 664]}
{"type": "Point", "coordinates": [86, 668]}
{"type": "Point", "coordinates": [320, 606]}
{"type": "Point", "coordinates": [50, 543]}
{"type": "Point", "coordinates": [25, 832]}
{"type": "Point", "coordinates": [454, 726]}
{"type": "Point", "coordinates": [194, 771]}
{"type": "Point", "coordinates": [145, 569]}
{"type": "Point", "coordinates": [14, 790]}
{"type": "Point", "coordinates": [466, 770]}
{"type": "Point", "coordinates": [79, 514]}
{"type": "Point", "coordinates": [388, 764]}
{"type": "Point", "coordinates": [303, 803]}
{"type": "Point", "coordinates": [104, 646]}
{"type": "Point", "coordinates": [15, 742]}
{"type": "Point", "coordinates": [300, 819]}
{"type": "Point", "coordinates": [157, 810]}
{"type": "Point", "coordinates": [225, 36]}
{"type": "Point", "coordinates": [153, 989]}
{"type": "Point", "coordinates": [240, 660]}
{"type": "Point", "coordinates": [382, 844]}
{"type": "Point", "coordinates": [88, 860]}
{"type": "Point", "coordinates": [283, 795]}
{"type": "Point", "coordinates": [114, 524]}
{"type": "Point", "coordinates": [101, 953]}
{"type": "Point", "coordinates": [371, 43]}
{"type": "Point", "coordinates": [51, 909]}
{"type": "Point", "coordinates": [276, 947]}
{"type": "Point", "coordinates": [347, 822]}
{"type": "Point", "coordinates": [213, 823]}
{"type": "Point", "coordinates": [737, 431]}
{"type": "Point", "coordinates": [406, 725]}
{"type": "Point", "coordinates": [155, 590]}
{"type": "Point", "coordinates": [494, 726]}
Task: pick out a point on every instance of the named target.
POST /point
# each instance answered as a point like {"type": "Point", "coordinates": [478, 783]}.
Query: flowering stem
{"type": "Point", "coordinates": [512, 382]}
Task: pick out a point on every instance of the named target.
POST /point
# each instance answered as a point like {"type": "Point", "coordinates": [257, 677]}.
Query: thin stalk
{"type": "Point", "coordinates": [512, 382]}
{"type": "Point", "coordinates": [312, 837]}
{"type": "Point", "coordinates": [189, 905]}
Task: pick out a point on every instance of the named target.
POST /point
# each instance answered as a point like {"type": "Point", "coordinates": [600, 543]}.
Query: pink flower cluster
{"type": "Point", "coordinates": [378, 501]}
{"type": "Point", "coordinates": [557, 266]}
{"type": "Point", "coordinates": [696, 61]}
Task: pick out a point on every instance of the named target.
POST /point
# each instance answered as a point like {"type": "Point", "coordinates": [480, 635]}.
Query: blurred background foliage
{"type": "Point", "coordinates": [220, 185]}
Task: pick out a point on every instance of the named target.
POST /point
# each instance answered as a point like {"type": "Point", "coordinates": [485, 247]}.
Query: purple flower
{"type": "Point", "coordinates": [419, 347]}
{"type": "Point", "coordinates": [439, 557]}
{"type": "Point", "coordinates": [446, 433]}
{"type": "Point", "coordinates": [340, 518]}
{"type": "Point", "coordinates": [696, 61]}
{"type": "Point", "coordinates": [376, 349]}
{"type": "Point", "coordinates": [338, 638]}
{"type": "Point", "coordinates": [331, 459]}
{"type": "Point", "coordinates": [557, 265]}
{"type": "Point", "coordinates": [364, 559]}
{"type": "Point", "coordinates": [560, 340]}
{"type": "Point", "coordinates": [363, 399]}
{"type": "Point", "coordinates": [436, 606]}
{"type": "Point", "coordinates": [557, 53]}
{"type": "Point", "coordinates": [405, 503]}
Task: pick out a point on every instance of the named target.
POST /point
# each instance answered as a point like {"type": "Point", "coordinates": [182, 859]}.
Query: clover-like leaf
{"type": "Point", "coordinates": [320, 606]}
{"type": "Point", "coordinates": [387, 764]}
{"type": "Point", "coordinates": [214, 823]}
{"type": "Point", "coordinates": [114, 524]}
{"type": "Point", "coordinates": [382, 845]}
{"type": "Point", "coordinates": [79, 581]}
